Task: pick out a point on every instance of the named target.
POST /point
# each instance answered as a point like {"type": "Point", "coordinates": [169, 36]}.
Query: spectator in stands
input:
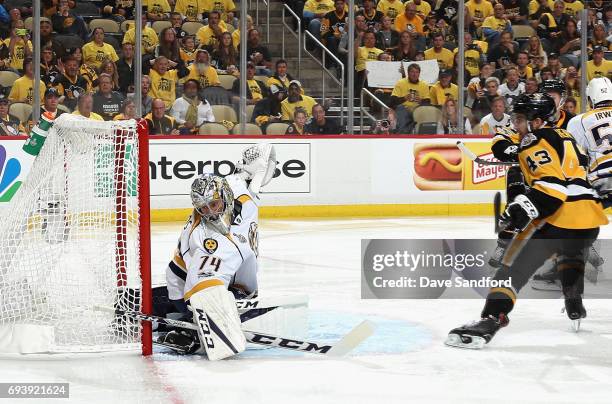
{"type": "Point", "coordinates": [572, 7]}
{"type": "Point", "coordinates": [202, 71]}
{"type": "Point", "coordinates": [160, 123]}
{"type": "Point", "coordinates": [71, 84]}
{"type": "Point", "coordinates": [473, 54]}
{"type": "Point", "coordinates": [360, 29]}
{"type": "Point", "coordinates": [407, 94]}
{"type": "Point", "coordinates": [314, 12]}
{"type": "Point", "coordinates": [409, 21]}
{"type": "Point", "coordinates": [598, 66]}
{"type": "Point", "coordinates": [189, 10]}
{"type": "Point", "coordinates": [497, 119]}
{"type": "Point", "coordinates": [405, 50]}
{"type": "Point", "coordinates": [571, 105]}
{"type": "Point", "coordinates": [157, 10]}
{"type": "Point", "coordinates": [125, 68]}
{"type": "Point", "coordinates": [513, 87]}
{"type": "Point", "coordinates": [107, 103]}
{"type": "Point", "coordinates": [531, 85]}
{"type": "Point", "coordinates": [147, 100]}
{"type": "Point", "coordinates": [537, 55]}
{"type": "Point", "coordinates": [236, 33]}
{"type": "Point", "coordinates": [280, 78]}
{"type": "Point", "coordinates": [176, 22]}
{"type": "Point", "coordinates": [188, 49]}
{"type": "Point", "coordinates": [516, 11]}
{"type": "Point", "coordinates": [110, 68]}
{"type": "Point", "coordinates": [443, 89]}
{"type": "Point", "coordinates": [494, 25]}
{"type": "Point", "coordinates": [258, 53]}
{"type": "Point", "coordinates": [545, 74]}
{"type": "Point", "coordinates": [118, 10]}
{"type": "Point", "coordinates": [478, 10]}
{"type": "Point", "coordinates": [49, 72]}
{"type": "Point", "coordinates": [256, 90]}
{"type": "Point", "coordinates": [373, 17]}
{"type": "Point", "coordinates": [85, 107]}
{"type": "Point", "coordinates": [485, 97]}
{"type": "Point", "coordinates": [268, 110]}
{"type": "Point", "coordinates": [448, 123]}
{"type": "Point", "coordinates": [190, 111]}
{"type": "Point", "coordinates": [505, 53]}
{"type": "Point", "coordinates": [208, 35]}
{"type": "Point", "coordinates": [149, 36]}
{"type": "Point", "coordinates": [226, 8]}
{"type": "Point", "coordinates": [163, 81]}
{"type": "Point", "coordinates": [169, 47]}
{"type": "Point", "coordinates": [128, 110]}
{"type": "Point", "coordinates": [9, 124]}
{"type": "Point", "coordinates": [522, 65]}
{"type": "Point", "coordinates": [321, 125]}
{"type": "Point", "coordinates": [391, 8]}
{"type": "Point", "coordinates": [88, 72]}
{"type": "Point", "coordinates": [50, 103]}
{"type": "Point", "coordinates": [295, 99]}
{"type": "Point", "coordinates": [599, 38]}
{"type": "Point", "coordinates": [47, 38]}
{"type": "Point", "coordinates": [572, 84]}
{"type": "Point", "coordinates": [568, 45]}
{"type": "Point", "coordinates": [556, 68]}
{"type": "Point", "coordinates": [66, 22]}
{"type": "Point", "coordinates": [299, 121]}
{"type": "Point", "coordinates": [367, 52]}
{"type": "Point", "coordinates": [387, 37]}
{"type": "Point", "coordinates": [332, 26]}
{"type": "Point", "coordinates": [22, 90]}
{"type": "Point", "coordinates": [438, 52]}
{"type": "Point", "coordinates": [19, 45]}
{"type": "Point", "coordinates": [225, 57]}
{"type": "Point", "coordinates": [97, 50]}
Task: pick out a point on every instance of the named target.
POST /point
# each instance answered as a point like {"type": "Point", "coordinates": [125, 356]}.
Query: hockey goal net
{"type": "Point", "coordinates": [75, 236]}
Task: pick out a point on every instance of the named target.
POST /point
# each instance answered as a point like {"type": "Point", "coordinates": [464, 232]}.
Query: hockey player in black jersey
{"type": "Point", "coordinates": [543, 219]}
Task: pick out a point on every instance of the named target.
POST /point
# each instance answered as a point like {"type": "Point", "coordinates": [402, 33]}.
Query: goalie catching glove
{"type": "Point", "coordinates": [518, 214]}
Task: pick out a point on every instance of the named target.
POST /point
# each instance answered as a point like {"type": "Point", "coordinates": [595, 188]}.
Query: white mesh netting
{"type": "Point", "coordinates": [69, 239]}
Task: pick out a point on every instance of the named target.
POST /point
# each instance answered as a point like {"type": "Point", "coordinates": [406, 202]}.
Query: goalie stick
{"type": "Point", "coordinates": [346, 344]}
{"type": "Point", "coordinates": [472, 156]}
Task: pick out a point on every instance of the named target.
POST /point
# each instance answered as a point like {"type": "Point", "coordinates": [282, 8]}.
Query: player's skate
{"type": "Point", "coordinates": [548, 279]}
{"type": "Point", "coordinates": [476, 334]}
{"type": "Point", "coordinates": [573, 307]}
{"type": "Point", "coordinates": [498, 254]}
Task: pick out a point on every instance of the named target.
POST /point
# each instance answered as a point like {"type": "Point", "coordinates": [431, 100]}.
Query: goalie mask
{"type": "Point", "coordinates": [213, 199]}
{"type": "Point", "coordinates": [258, 165]}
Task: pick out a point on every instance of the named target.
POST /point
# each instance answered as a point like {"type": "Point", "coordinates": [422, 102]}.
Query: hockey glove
{"type": "Point", "coordinates": [511, 153]}
{"type": "Point", "coordinates": [518, 214]}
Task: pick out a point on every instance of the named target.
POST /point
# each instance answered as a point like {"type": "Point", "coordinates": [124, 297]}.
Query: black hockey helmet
{"type": "Point", "coordinates": [553, 85]}
{"type": "Point", "coordinates": [537, 105]}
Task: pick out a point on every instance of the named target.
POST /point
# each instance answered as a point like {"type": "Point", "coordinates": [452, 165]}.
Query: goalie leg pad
{"type": "Point", "coordinates": [219, 327]}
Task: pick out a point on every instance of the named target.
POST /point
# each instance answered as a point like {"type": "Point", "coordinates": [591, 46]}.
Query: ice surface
{"type": "Point", "coordinates": [536, 359]}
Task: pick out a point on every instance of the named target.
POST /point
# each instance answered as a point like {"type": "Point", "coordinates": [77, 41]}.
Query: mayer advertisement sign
{"type": "Point", "coordinates": [174, 165]}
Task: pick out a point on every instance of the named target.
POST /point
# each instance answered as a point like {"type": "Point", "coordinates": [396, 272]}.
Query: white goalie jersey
{"type": "Point", "coordinates": [593, 132]}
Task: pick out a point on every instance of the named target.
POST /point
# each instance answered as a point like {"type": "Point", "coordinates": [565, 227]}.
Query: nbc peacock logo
{"type": "Point", "coordinates": [10, 168]}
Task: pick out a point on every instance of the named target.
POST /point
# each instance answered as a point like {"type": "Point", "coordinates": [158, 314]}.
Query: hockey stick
{"type": "Point", "coordinates": [470, 154]}
{"type": "Point", "coordinates": [271, 302]}
{"type": "Point", "coordinates": [346, 344]}
{"type": "Point", "coordinates": [497, 200]}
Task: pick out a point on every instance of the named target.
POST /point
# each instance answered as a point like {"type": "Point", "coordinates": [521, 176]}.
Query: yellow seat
{"type": "Point", "coordinates": [21, 110]}
{"type": "Point", "coordinates": [249, 129]}
{"type": "Point", "coordinates": [213, 128]}
{"type": "Point", "coordinates": [224, 113]}
{"type": "Point", "coordinates": [276, 128]}
{"type": "Point", "coordinates": [106, 25]}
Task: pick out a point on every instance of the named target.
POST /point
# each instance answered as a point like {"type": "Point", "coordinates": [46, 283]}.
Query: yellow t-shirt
{"type": "Point", "coordinates": [390, 8]}
{"type": "Point", "coordinates": [149, 38]}
{"type": "Point", "coordinates": [482, 10]}
{"type": "Point", "coordinates": [402, 23]}
{"type": "Point", "coordinates": [222, 6]}
{"type": "Point", "coordinates": [319, 7]}
{"type": "Point", "coordinates": [498, 24]}
{"type": "Point", "coordinates": [438, 95]}
{"type": "Point", "coordinates": [187, 56]}
{"type": "Point", "coordinates": [366, 54]}
{"type": "Point", "coordinates": [92, 115]}
{"type": "Point", "coordinates": [22, 90]}
{"type": "Point", "coordinates": [527, 73]}
{"type": "Point", "coordinates": [288, 108]}
{"type": "Point", "coordinates": [605, 70]}
{"type": "Point", "coordinates": [189, 9]}
{"type": "Point", "coordinates": [157, 6]}
{"type": "Point", "coordinates": [164, 87]}
{"type": "Point", "coordinates": [94, 55]}
{"type": "Point", "coordinates": [534, 5]}
{"type": "Point", "coordinates": [404, 87]}
{"type": "Point", "coordinates": [445, 57]}
{"type": "Point", "coordinates": [472, 60]}
{"type": "Point", "coordinates": [206, 36]}
{"type": "Point", "coordinates": [209, 78]}
{"type": "Point", "coordinates": [423, 8]}
{"type": "Point", "coordinates": [256, 93]}
{"type": "Point", "coordinates": [236, 38]}
{"type": "Point", "coordinates": [18, 53]}
{"type": "Point", "coordinates": [572, 9]}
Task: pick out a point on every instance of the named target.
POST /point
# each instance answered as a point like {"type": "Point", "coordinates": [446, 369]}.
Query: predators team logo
{"type": "Point", "coordinates": [210, 245]}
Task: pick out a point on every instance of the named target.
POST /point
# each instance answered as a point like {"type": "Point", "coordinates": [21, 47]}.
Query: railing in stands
{"type": "Point", "coordinates": [324, 70]}
{"type": "Point", "coordinates": [363, 111]}
{"type": "Point", "coordinates": [267, 3]}
{"type": "Point", "coordinates": [295, 35]}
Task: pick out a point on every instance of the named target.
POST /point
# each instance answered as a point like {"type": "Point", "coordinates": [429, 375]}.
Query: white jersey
{"type": "Point", "coordinates": [489, 125]}
{"type": "Point", "coordinates": [593, 132]}
{"type": "Point", "coordinates": [511, 95]}
{"type": "Point", "coordinates": [246, 212]}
